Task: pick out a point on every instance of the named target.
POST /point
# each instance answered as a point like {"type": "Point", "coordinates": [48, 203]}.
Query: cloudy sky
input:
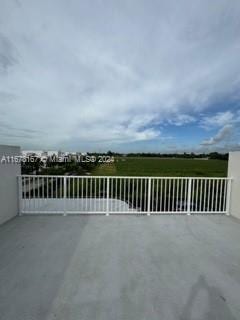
{"type": "Point", "coordinates": [129, 75]}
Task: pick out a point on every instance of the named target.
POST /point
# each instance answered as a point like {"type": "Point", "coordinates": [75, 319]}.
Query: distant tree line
{"type": "Point", "coordinates": [185, 155]}
{"type": "Point", "coordinates": [72, 167]}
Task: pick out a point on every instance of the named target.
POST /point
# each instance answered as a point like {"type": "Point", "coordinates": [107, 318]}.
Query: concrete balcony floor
{"type": "Point", "coordinates": [120, 267]}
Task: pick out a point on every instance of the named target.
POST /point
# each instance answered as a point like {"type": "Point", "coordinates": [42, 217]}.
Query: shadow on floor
{"type": "Point", "coordinates": [217, 304]}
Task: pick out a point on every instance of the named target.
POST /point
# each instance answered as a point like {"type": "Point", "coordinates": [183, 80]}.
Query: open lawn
{"type": "Point", "coordinates": [125, 166]}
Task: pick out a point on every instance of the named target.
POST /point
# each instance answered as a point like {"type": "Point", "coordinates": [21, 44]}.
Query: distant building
{"type": "Point", "coordinates": [52, 153]}
{"type": "Point", "coordinates": [44, 154]}
{"type": "Point", "coordinates": [37, 153]}
{"type": "Point", "coordinates": [61, 153]}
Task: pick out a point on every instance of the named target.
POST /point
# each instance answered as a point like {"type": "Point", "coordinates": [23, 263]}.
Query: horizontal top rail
{"type": "Point", "coordinates": [124, 177]}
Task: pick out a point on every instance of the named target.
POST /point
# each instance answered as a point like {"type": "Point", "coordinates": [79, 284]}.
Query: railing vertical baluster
{"type": "Point", "coordinates": [149, 196]}
{"type": "Point", "coordinates": [51, 192]}
{"type": "Point", "coordinates": [86, 193]}
{"type": "Point", "coordinates": [73, 187]}
{"type": "Point", "coordinates": [173, 196]}
{"type": "Point", "coordinates": [104, 206]}
{"type": "Point", "coordinates": [213, 191]}
{"type": "Point", "coordinates": [91, 198]}
{"type": "Point", "coordinates": [116, 189]}
{"type": "Point", "coordinates": [141, 194]}
{"type": "Point", "coordinates": [24, 193]}
{"type": "Point", "coordinates": [152, 195]}
{"type": "Point", "coordinates": [216, 195]}
{"type": "Point", "coordinates": [120, 189]}
{"type": "Point", "coordinates": [124, 190]}
{"type": "Point", "coordinates": [77, 196]}
{"type": "Point", "coordinates": [34, 194]}
{"type": "Point", "coordinates": [169, 193]}
{"type": "Point", "coordinates": [128, 194]}
{"type": "Point", "coordinates": [137, 195]}
{"type": "Point", "coordinates": [25, 187]}
{"type": "Point", "coordinates": [201, 195]}
{"type": "Point", "coordinates": [47, 187]}
{"type": "Point", "coordinates": [161, 196]}
{"type": "Point", "coordinates": [189, 196]}
{"type": "Point", "coordinates": [82, 186]}
{"type": "Point", "coordinates": [107, 213]}
{"type": "Point", "coordinates": [221, 193]}
{"type": "Point", "coordinates": [69, 187]}
{"type": "Point", "coordinates": [132, 199]}
{"type": "Point", "coordinates": [186, 195]}
{"type": "Point", "coordinates": [196, 197]}
{"type": "Point", "coordinates": [29, 184]}
{"type": "Point", "coordinates": [20, 195]}
{"type": "Point", "coordinates": [64, 193]}
{"type": "Point", "coordinates": [177, 196]}
{"type": "Point", "coordinates": [75, 193]}
{"type": "Point", "coordinates": [193, 193]}
{"type": "Point", "coordinates": [208, 195]}
{"type": "Point", "coordinates": [204, 196]}
{"type": "Point", "coordinates": [43, 190]}
{"type": "Point", "coordinates": [95, 194]}
{"type": "Point", "coordinates": [145, 194]}
{"type": "Point", "coordinates": [181, 195]}
{"type": "Point", "coordinates": [165, 195]}
{"type": "Point", "coordinates": [99, 189]}
{"type": "Point", "coordinates": [111, 181]}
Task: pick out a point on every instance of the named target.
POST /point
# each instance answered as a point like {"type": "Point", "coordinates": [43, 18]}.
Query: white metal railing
{"type": "Point", "coordinates": [136, 195]}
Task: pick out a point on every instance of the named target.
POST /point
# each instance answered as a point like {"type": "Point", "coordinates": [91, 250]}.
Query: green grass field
{"type": "Point", "coordinates": [163, 167]}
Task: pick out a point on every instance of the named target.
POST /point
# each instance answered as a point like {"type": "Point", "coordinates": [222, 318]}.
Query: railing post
{"type": "Point", "coordinates": [19, 195]}
{"type": "Point", "coordinates": [189, 196]}
{"type": "Point", "coordinates": [149, 196]}
{"type": "Point", "coordinates": [229, 185]}
{"type": "Point", "coordinates": [108, 181]}
{"type": "Point", "coordinates": [64, 193]}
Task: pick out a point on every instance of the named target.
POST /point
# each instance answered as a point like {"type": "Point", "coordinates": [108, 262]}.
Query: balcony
{"type": "Point", "coordinates": [128, 267]}
{"type": "Point", "coordinates": [163, 248]}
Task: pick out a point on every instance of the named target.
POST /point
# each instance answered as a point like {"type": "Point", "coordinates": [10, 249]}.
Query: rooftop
{"type": "Point", "coordinates": [120, 267]}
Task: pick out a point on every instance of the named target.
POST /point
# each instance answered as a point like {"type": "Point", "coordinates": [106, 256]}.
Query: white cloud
{"type": "Point", "coordinates": [81, 71]}
{"type": "Point", "coordinates": [218, 120]}
{"type": "Point", "coordinates": [227, 124]}
{"type": "Point", "coordinates": [181, 119]}
{"type": "Point", "coordinates": [223, 134]}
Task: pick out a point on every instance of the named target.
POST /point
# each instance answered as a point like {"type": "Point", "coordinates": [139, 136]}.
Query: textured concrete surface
{"type": "Point", "coordinates": [120, 267]}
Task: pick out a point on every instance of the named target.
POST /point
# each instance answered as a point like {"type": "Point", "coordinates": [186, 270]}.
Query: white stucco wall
{"type": "Point", "coordinates": [234, 172]}
{"type": "Point", "coordinates": [8, 184]}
